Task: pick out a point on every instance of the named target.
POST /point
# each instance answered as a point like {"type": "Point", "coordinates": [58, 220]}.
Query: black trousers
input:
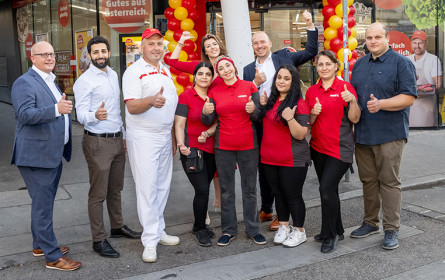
{"type": "Point", "coordinates": [201, 183]}
{"type": "Point", "coordinates": [267, 195]}
{"type": "Point", "coordinates": [329, 172]}
{"type": "Point", "coordinates": [287, 185]}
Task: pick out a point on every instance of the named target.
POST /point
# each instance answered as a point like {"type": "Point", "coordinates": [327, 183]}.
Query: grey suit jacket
{"type": "Point", "coordinates": [39, 134]}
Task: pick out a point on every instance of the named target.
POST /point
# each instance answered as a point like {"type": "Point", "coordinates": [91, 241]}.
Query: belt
{"type": "Point", "coordinates": [106, 135]}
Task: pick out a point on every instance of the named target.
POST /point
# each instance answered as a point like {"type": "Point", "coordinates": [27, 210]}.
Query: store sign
{"type": "Point", "coordinates": [62, 63]}
{"type": "Point", "coordinates": [125, 16]}
{"type": "Point", "coordinates": [287, 42]}
{"type": "Point", "coordinates": [64, 12]}
{"type": "Point", "coordinates": [22, 3]}
{"type": "Point", "coordinates": [400, 42]}
{"type": "Point", "coordinates": [28, 45]}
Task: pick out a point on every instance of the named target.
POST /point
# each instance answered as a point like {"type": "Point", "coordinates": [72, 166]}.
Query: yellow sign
{"type": "Point", "coordinates": [83, 61]}
{"type": "Point", "coordinates": [132, 49]}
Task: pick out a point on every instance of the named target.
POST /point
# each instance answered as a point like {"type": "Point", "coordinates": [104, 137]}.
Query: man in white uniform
{"type": "Point", "coordinates": [150, 98]}
{"type": "Point", "coordinates": [429, 81]}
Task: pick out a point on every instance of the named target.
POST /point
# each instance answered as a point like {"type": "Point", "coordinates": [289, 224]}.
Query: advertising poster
{"type": "Point", "coordinates": [82, 59]}
{"type": "Point", "coordinates": [41, 37]}
{"type": "Point", "coordinates": [62, 63]}
{"type": "Point", "coordinates": [132, 49]}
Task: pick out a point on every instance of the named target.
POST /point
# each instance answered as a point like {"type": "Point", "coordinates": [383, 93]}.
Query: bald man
{"type": "Point", "coordinates": [385, 82]}
{"type": "Point", "coordinates": [42, 139]}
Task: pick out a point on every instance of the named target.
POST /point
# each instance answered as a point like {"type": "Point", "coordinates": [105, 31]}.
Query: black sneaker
{"type": "Point", "coordinates": [202, 238]}
{"type": "Point", "coordinates": [225, 239]}
{"type": "Point", "coordinates": [210, 232]}
{"type": "Point", "coordinates": [319, 239]}
{"type": "Point", "coordinates": [364, 230]}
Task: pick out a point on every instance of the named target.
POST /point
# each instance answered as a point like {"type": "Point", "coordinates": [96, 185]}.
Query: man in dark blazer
{"type": "Point", "coordinates": [42, 138]}
{"type": "Point", "coordinates": [261, 73]}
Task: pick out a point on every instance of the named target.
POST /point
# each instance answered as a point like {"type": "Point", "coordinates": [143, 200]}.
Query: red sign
{"type": "Point", "coordinates": [22, 3]}
{"type": "Point", "coordinates": [400, 42]}
{"type": "Point", "coordinates": [28, 45]}
{"type": "Point", "coordinates": [80, 42]}
{"type": "Point", "coordinates": [64, 12]}
{"type": "Point", "coordinates": [128, 42]}
{"type": "Point", "coordinates": [288, 42]}
{"type": "Point", "coordinates": [125, 16]}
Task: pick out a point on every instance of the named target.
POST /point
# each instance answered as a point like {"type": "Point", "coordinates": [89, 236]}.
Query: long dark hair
{"type": "Point", "coordinates": [292, 97]}
{"type": "Point", "coordinates": [222, 48]}
{"type": "Point", "coordinates": [200, 65]}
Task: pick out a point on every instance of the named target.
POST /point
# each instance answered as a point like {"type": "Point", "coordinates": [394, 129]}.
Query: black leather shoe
{"type": "Point", "coordinates": [105, 250]}
{"type": "Point", "coordinates": [125, 231]}
{"type": "Point", "coordinates": [328, 245]}
{"type": "Point", "coordinates": [319, 239]}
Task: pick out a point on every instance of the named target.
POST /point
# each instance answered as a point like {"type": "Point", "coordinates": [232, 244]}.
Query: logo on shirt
{"type": "Point", "coordinates": [241, 96]}
{"type": "Point", "coordinates": [334, 95]}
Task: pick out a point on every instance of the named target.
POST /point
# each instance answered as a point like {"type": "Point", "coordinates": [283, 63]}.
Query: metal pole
{"type": "Point", "coordinates": [345, 53]}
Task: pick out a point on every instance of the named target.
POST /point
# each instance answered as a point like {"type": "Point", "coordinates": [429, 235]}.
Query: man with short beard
{"type": "Point", "coordinates": [97, 96]}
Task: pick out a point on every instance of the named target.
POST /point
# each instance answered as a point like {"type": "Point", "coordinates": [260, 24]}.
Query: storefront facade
{"type": "Point", "coordinates": [67, 25]}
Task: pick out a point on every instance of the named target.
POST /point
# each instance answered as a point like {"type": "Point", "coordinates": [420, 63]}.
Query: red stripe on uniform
{"type": "Point", "coordinates": [125, 100]}
{"type": "Point", "coordinates": [143, 75]}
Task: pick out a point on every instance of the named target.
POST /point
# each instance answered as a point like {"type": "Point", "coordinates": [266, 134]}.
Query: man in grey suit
{"type": "Point", "coordinates": [42, 138]}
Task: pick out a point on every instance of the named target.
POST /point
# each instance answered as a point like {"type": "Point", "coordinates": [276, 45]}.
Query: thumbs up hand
{"type": "Point", "coordinates": [316, 110]}
{"type": "Point", "coordinates": [64, 106]}
{"type": "Point", "coordinates": [373, 104]}
{"type": "Point", "coordinates": [288, 114]}
{"type": "Point", "coordinates": [209, 107]}
{"type": "Point", "coordinates": [263, 99]}
{"type": "Point", "coordinates": [250, 106]}
{"type": "Point", "coordinates": [158, 100]}
{"type": "Point", "coordinates": [260, 77]}
{"type": "Point", "coordinates": [347, 95]}
{"type": "Point", "coordinates": [101, 113]}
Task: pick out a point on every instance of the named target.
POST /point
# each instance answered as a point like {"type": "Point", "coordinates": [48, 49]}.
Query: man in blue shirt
{"type": "Point", "coordinates": [385, 82]}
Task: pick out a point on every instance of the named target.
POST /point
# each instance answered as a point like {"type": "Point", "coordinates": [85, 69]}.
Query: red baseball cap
{"type": "Point", "coordinates": [419, 35]}
{"type": "Point", "coordinates": [150, 32]}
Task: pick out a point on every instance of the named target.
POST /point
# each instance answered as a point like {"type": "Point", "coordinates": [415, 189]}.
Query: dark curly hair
{"type": "Point", "coordinates": [292, 97]}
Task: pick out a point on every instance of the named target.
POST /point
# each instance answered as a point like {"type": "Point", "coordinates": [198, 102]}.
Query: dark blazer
{"type": "Point", "coordinates": [284, 56]}
{"type": "Point", "coordinates": [39, 134]}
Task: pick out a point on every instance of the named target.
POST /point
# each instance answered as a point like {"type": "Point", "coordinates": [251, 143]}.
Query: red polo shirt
{"type": "Point", "coordinates": [235, 131]}
{"type": "Point", "coordinates": [332, 130]}
{"type": "Point", "coordinates": [190, 106]}
{"type": "Point", "coordinates": [278, 147]}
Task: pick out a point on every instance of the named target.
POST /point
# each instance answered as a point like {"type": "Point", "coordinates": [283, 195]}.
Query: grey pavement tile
{"type": "Point", "coordinates": [435, 270]}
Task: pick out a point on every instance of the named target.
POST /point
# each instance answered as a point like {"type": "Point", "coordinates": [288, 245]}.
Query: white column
{"type": "Point", "coordinates": [237, 32]}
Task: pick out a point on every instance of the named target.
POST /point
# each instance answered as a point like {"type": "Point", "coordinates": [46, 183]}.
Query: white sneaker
{"type": "Point", "coordinates": [295, 238]}
{"type": "Point", "coordinates": [169, 240]}
{"type": "Point", "coordinates": [281, 235]}
{"type": "Point", "coordinates": [149, 254]}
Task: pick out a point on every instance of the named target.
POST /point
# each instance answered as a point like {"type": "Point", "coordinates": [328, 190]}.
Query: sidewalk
{"type": "Point", "coordinates": [422, 166]}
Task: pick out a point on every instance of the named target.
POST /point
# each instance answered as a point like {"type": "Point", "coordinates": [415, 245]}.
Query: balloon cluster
{"type": "Point", "coordinates": [181, 16]}
{"type": "Point", "coordinates": [333, 31]}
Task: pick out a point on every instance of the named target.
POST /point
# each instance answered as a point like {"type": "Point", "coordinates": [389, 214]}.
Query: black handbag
{"type": "Point", "coordinates": [194, 162]}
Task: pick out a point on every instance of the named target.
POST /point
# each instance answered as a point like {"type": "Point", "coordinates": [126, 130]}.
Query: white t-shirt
{"type": "Point", "coordinates": [142, 79]}
{"type": "Point", "coordinates": [427, 67]}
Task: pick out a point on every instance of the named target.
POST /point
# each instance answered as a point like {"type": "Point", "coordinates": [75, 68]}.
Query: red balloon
{"type": "Point", "coordinates": [173, 24]}
{"type": "Point", "coordinates": [340, 33]}
{"type": "Point", "coordinates": [325, 23]}
{"type": "Point", "coordinates": [193, 56]}
{"type": "Point", "coordinates": [174, 71]}
{"type": "Point", "coordinates": [189, 46]}
{"type": "Point", "coordinates": [351, 63]}
{"type": "Point", "coordinates": [328, 11]}
{"type": "Point", "coordinates": [351, 21]}
{"type": "Point", "coordinates": [334, 3]}
{"type": "Point", "coordinates": [177, 34]}
{"type": "Point", "coordinates": [351, 10]}
{"type": "Point", "coordinates": [169, 13]}
{"type": "Point", "coordinates": [336, 44]}
{"type": "Point", "coordinates": [193, 14]}
{"type": "Point", "coordinates": [167, 58]}
{"type": "Point", "coordinates": [182, 79]}
{"type": "Point", "coordinates": [354, 54]}
{"type": "Point", "coordinates": [188, 4]}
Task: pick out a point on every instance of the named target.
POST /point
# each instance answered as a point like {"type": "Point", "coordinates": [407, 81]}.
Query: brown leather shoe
{"type": "Point", "coordinates": [39, 252]}
{"type": "Point", "coordinates": [64, 263]}
{"type": "Point", "coordinates": [275, 225]}
{"type": "Point", "coordinates": [264, 217]}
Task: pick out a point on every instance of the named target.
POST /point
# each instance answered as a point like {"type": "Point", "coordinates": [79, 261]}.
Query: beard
{"type": "Point", "coordinates": [101, 65]}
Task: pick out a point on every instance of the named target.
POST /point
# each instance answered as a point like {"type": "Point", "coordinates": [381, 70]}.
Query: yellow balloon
{"type": "Point", "coordinates": [181, 13]}
{"type": "Point", "coordinates": [179, 88]}
{"type": "Point", "coordinates": [190, 78]}
{"type": "Point", "coordinates": [342, 66]}
{"type": "Point", "coordinates": [330, 33]}
{"type": "Point", "coordinates": [172, 45]}
{"type": "Point", "coordinates": [339, 73]}
{"type": "Point", "coordinates": [187, 24]}
{"type": "Point", "coordinates": [327, 45]}
{"type": "Point", "coordinates": [325, 3]}
{"type": "Point", "coordinates": [175, 3]}
{"type": "Point", "coordinates": [173, 77]}
{"type": "Point", "coordinates": [335, 22]}
{"type": "Point", "coordinates": [353, 32]}
{"type": "Point", "coordinates": [352, 43]}
{"type": "Point", "coordinates": [169, 35]}
{"type": "Point", "coordinates": [194, 34]}
{"type": "Point", "coordinates": [340, 54]}
{"type": "Point", "coordinates": [338, 10]}
{"type": "Point", "coordinates": [183, 56]}
{"type": "Point", "coordinates": [350, 2]}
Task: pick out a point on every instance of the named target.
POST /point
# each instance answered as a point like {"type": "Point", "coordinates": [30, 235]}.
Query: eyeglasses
{"type": "Point", "coordinates": [45, 55]}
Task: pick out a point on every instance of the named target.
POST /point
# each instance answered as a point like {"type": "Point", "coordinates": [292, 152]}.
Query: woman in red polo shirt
{"type": "Point", "coordinates": [235, 103]}
{"type": "Point", "coordinates": [188, 128]}
{"type": "Point", "coordinates": [285, 152]}
{"type": "Point", "coordinates": [334, 110]}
